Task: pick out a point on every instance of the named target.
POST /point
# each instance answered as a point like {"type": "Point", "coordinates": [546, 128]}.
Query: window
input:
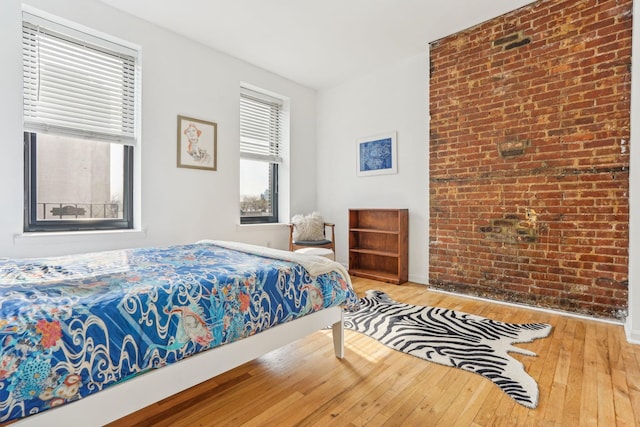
{"type": "Point", "coordinates": [261, 136]}
{"type": "Point", "coordinates": [79, 128]}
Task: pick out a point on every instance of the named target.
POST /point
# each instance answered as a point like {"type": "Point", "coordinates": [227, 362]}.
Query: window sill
{"type": "Point", "coordinates": [39, 238]}
{"type": "Point", "coordinates": [261, 227]}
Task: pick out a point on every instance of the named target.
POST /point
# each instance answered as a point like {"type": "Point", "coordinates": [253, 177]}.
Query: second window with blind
{"type": "Point", "coordinates": [262, 130]}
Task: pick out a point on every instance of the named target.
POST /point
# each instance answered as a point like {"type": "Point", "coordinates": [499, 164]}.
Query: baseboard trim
{"type": "Point", "coordinates": [530, 307]}
{"type": "Point", "coordinates": [633, 336]}
{"type": "Point", "coordinates": [421, 280]}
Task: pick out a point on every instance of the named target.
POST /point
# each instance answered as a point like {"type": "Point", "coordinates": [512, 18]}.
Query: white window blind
{"type": "Point", "coordinates": [75, 86]}
{"type": "Point", "coordinates": [261, 121]}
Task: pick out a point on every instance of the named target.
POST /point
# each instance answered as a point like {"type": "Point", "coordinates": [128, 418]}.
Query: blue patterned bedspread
{"type": "Point", "coordinates": [72, 326]}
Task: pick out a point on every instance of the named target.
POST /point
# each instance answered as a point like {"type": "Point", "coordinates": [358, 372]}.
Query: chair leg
{"type": "Point", "coordinates": [291, 237]}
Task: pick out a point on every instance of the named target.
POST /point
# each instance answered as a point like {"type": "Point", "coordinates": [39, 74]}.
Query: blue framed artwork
{"type": "Point", "coordinates": [377, 155]}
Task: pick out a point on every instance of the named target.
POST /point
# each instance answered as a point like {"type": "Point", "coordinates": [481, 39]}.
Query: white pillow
{"type": "Point", "coordinates": [309, 227]}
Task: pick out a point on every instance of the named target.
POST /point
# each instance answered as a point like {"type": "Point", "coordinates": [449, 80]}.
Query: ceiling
{"type": "Point", "coordinates": [317, 43]}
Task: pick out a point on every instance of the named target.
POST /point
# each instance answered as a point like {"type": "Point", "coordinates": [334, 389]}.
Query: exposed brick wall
{"type": "Point", "coordinates": [529, 157]}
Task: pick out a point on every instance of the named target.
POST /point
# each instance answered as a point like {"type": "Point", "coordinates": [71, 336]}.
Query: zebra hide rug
{"type": "Point", "coordinates": [452, 338]}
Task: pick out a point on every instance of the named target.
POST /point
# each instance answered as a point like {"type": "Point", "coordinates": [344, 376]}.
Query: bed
{"type": "Point", "coordinates": [87, 339]}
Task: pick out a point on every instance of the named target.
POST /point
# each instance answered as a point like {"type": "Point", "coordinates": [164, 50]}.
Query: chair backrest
{"type": "Point", "coordinates": [316, 240]}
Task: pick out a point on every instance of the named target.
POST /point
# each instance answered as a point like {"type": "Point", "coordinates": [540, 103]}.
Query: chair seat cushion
{"type": "Point", "coordinates": [312, 242]}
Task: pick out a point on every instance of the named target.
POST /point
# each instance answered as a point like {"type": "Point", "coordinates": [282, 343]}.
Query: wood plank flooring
{"type": "Point", "coordinates": [587, 373]}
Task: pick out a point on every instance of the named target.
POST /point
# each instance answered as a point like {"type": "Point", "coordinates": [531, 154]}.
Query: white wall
{"type": "Point", "coordinates": [179, 76]}
{"type": "Point", "coordinates": [395, 98]}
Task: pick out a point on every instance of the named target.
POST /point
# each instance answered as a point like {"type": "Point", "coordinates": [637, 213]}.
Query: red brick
{"type": "Point", "coordinates": [567, 93]}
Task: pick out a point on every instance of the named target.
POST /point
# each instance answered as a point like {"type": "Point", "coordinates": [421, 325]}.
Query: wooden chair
{"type": "Point", "coordinates": [306, 244]}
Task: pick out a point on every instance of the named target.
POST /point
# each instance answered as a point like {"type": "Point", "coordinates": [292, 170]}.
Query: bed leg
{"type": "Point", "coordinates": [338, 339]}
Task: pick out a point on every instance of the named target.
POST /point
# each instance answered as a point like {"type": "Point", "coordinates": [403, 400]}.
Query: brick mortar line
{"type": "Point", "coordinates": [556, 172]}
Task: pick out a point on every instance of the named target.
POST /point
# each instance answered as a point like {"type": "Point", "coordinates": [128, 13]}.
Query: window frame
{"type": "Point", "coordinates": [31, 222]}
{"type": "Point", "coordinates": [267, 219]}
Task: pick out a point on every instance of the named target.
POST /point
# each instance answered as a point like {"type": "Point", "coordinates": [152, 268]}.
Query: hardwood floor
{"type": "Point", "coordinates": [586, 371]}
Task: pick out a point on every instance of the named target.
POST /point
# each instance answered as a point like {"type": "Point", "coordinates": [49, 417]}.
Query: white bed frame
{"type": "Point", "coordinates": [124, 398]}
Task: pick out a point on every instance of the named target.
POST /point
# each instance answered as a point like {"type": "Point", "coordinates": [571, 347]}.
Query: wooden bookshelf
{"type": "Point", "coordinates": [379, 244]}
